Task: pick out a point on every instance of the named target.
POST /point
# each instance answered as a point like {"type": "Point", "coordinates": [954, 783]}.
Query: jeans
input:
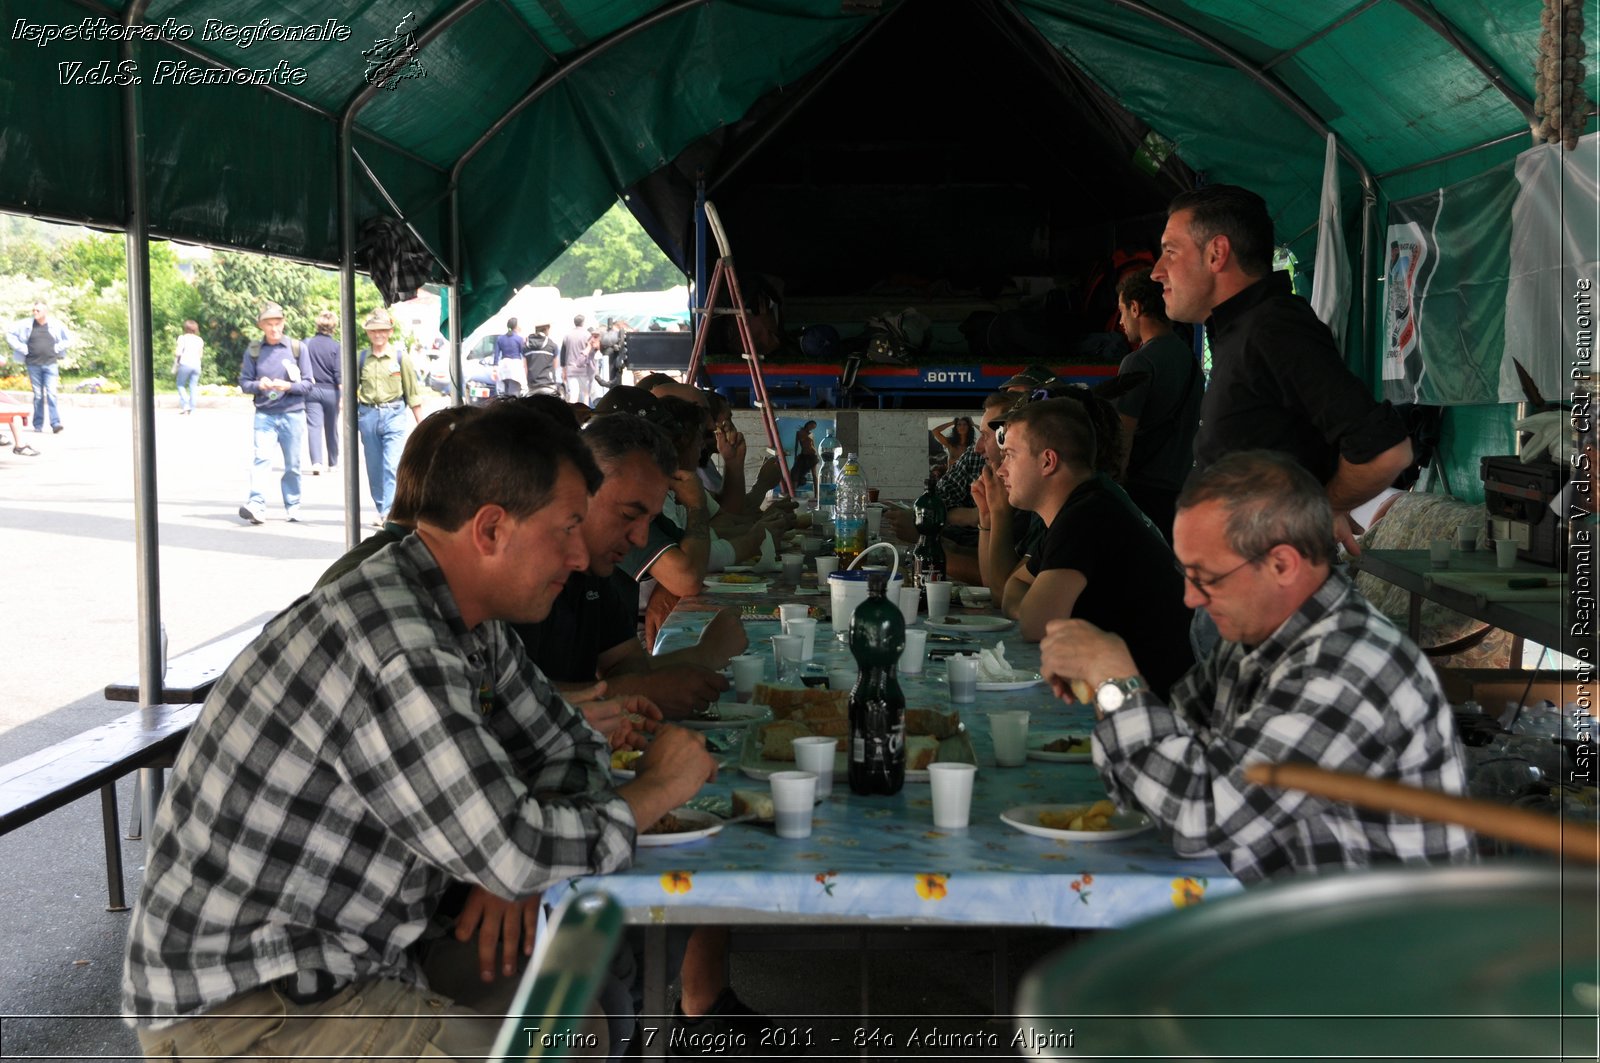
{"type": "Point", "coordinates": [44, 379]}
{"type": "Point", "coordinates": [322, 423]}
{"type": "Point", "coordinates": [287, 430]}
{"type": "Point", "coordinates": [188, 377]}
{"type": "Point", "coordinates": [383, 437]}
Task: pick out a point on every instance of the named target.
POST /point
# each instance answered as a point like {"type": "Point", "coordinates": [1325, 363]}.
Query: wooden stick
{"type": "Point", "coordinates": [1576, 840]}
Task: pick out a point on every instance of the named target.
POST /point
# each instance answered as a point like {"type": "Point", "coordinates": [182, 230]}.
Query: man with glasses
{"type": "Point", "coordinates": [1308, 672]}
{"type": "Point", "coordinates": [1100, 558]}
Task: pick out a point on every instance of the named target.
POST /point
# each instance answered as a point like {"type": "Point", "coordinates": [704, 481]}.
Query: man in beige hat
{"type": "Point", "coordinates": [385, 389]}
{"type": "Point", "coordinates": [277, 372]}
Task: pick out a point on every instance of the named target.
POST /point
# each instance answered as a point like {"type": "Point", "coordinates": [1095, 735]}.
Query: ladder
{"type": "Point", "coordinates": [723, 271]}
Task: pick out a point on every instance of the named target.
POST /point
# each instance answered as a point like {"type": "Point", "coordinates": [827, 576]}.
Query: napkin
{"type": "Point", "coordinates": [768, 561]}
{"type": "Point", "coordinates": [993, 667]}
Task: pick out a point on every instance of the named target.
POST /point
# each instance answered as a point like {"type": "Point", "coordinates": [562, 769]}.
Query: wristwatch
{"type": "Point", "coordinates": [1112, 694]}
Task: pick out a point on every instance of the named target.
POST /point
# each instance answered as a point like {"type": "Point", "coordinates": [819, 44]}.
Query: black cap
{"type": "Point", "coordinates": [1022, 400]}
{"type": "Point", "coordinates": [1033, 377]}
{"type": "Point", "coordinates": [626, 399]}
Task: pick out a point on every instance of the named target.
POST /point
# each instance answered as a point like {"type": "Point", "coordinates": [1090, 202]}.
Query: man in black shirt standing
{"type": "Point", "coordinates": [1278, 381]}
{"type": "Point", "coordinates": [1101, 559]}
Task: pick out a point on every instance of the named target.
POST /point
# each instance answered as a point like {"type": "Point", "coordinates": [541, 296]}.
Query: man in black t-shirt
{"type": "Point", "coordinates": [1101, 559]}
{"type": "Point", "coordinates": [592, 629]}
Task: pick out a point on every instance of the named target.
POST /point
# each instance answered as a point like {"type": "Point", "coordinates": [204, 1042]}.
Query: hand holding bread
{"type": "Point", "coordinates": [1076, 657]}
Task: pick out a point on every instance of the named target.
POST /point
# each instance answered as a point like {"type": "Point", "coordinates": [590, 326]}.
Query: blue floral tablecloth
{"type": "Point", "coordinates": [882, 857]}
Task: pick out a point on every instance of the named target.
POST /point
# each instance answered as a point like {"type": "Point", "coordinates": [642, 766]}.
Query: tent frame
{"type": "Point", "coordinates": [136, 225]}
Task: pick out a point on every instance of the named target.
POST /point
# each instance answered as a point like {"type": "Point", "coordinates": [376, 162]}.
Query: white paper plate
{"type": "Point", "coordinates": [732, 715]}
{"type": "Point", "coordinates": [1123, 825]}
{"type": "Point", "coordinates": [715, 585]}
{"type": "Point", "coordinates": [752, 764]}
{"type": "Point", "coordinates": [1037, 742]}
{"type": "Point", "coordinates": [700, 824]}
{"type": "Point", "coordinates": [978, 623]}
{"type": "Point", "coordinates": [1020, 681]}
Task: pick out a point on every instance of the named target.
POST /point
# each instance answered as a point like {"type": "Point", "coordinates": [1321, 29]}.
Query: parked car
{"type": "Point", "coordinates": [481, 377]}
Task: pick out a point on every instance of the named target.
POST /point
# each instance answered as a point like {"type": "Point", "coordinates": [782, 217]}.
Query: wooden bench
{"type": "Point", "coordinates": [190, 676]}
{"type": "Point", "coordinates": [94, 760]}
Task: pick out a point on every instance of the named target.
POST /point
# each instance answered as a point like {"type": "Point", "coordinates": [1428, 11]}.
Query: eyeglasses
{"type": "Point", "coordinates": [1203, 584]}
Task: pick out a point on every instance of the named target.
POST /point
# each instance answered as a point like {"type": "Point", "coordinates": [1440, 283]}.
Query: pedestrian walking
{"type": "Point", "coordinates": [385, 389]}
{"type": "Point", "coordinates": [186, 365]}
{"type": "Point", "coordinates": [276, 371]}
{"type": "Point", "coordinates": [39, 343]}
{"type": "Point", "coordinates": [322, 402]}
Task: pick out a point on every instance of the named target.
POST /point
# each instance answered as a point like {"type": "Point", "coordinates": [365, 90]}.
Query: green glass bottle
{"type": "Point", "coordinates": [877, 762]}
{"type": "Point", "coordinates": [927, 558]}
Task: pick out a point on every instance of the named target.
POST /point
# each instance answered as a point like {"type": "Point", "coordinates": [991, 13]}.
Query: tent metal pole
{"type": "Point", "coordinates": [701, 233]}
{"type": "Point", "coordinates": [1298, 47]}
{"type": "Point", "coordinates": [1252, 71]}
{"type": "Point", "coordinates": [556, 76]}
{"type": "Point", "coordinates": [1425, 163]}
{"type": "Point", "coordinates": [349, 436]}
{"type": "Point", "coordinates": [398, 213]}
{"type": "Point", "coordinates": [1371, 356]}
{"type": "Point", "coordinates": [457, 370]}
{"type": "Point", "coordinates": [146, 522]}
{"type": "Point", "coordinates": [1428, 16]}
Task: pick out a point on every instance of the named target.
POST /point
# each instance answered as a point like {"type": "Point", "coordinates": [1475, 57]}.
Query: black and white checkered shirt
{"type": "Point", "coordinates": [1336, 686]}
{"type": "Point", "coordinates": [955, 486]}
{"type": "Point", "coordinates": [363, 752]}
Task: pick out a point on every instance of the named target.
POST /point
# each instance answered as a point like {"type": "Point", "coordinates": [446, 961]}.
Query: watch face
{"type": "Point", "coordinates": [1109, 697]}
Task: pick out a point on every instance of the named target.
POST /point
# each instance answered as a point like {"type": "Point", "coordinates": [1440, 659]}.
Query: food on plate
{"type": "Point", "coordinates": [1091, 818]}
{"type": "Point", "coordinates": [738, 577]}
{"type": "Point", "coordinates": [667, 824]}
{"type": "Point", "coordinates": [1067, 744]}
{"type": "Point", "coordinates": [754, 803]}
{"type": "Point", "coordinates": [777, 739]}
{"type": "Point", "coordinates": [932, 722]}
{"type": "Point", "coordinates": [921, 750]}
{"type": "Point", "coordinates": [623, 759]}
{"type": "Point", "coordinates": [788, 702]}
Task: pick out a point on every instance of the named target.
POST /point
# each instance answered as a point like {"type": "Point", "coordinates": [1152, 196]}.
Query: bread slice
{"type": "Point", "coordinates": [921, 750]}
{"type": "Point", "coordinates": [777, 739]}
{"type": "Point", "coordinates": [754, 803]}
{"type": "Point", "coordinates": [932, 722]}
{"type": "Point", "coordinates": [787, 702]}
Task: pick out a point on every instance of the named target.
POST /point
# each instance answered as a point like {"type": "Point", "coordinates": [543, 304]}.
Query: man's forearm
{"type": "Point", "coordinates": [1354, 484]}
{"type": "Point", "coordinates": [732, 495]}
{"type": "Point", "coordinates": [965, 517]}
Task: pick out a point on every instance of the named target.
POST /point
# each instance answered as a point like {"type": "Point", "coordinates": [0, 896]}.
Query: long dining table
{"type": "Point", "coordinates": [880, 861]}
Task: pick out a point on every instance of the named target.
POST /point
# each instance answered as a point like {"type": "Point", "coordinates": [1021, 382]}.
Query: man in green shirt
{"type": "Point", "coordinates": [385, 389]}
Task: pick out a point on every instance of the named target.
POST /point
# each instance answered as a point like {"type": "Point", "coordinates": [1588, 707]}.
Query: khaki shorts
{"type": "Point", "coordinates": [378, 1019]}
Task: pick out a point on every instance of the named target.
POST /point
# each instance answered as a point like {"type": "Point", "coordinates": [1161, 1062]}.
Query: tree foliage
{"type": "Point", "coordinates": [615, 255]}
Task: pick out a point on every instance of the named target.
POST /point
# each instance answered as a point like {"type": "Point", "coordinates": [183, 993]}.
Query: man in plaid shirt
{"type": "Point", "coordinates": [1307, 671]}
{"type": "Point", "coordinates": [384, 736]}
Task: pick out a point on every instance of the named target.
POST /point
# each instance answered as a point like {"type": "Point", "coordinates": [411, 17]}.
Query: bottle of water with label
{"type": "Point", "coordinates": [827, 471]}
{"type": "Point", "coordinates": [850, 514]}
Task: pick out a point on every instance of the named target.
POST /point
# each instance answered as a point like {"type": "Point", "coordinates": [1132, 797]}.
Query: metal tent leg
{"type": "Point", "coordinates": [116, 901]}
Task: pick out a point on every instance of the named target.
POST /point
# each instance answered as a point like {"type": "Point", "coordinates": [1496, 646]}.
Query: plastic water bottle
{"type": "Point", "coordinates": [828, 469]}
{"type": "Point", "coordinates": [850, 513]}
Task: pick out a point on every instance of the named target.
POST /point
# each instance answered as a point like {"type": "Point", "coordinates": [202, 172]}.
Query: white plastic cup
{"type": "Point", "coordinates": [1008, 730]}
{"type": "Point", "coordinates": [962, 676]}
{"type": "Point", "coordinates": [826, 566]}
{"type": "Point", "coordinates": [911, 656]}
{"type": "Point", "coordinates": [793, 795]}
{"type": "Point", "coordinates": [810, 544]}
{"type": "Point", "coordinates": [793, 565]}
{"type": "Point", "coordinates": [1439, 553]}
{"type": "Point", "coordinates": [806, 628]}
{"type": "Point", "coordinates": [1505, 553]}
{"type": "Point", "coordinates": [841, 678]}
{"type": "Point", "coordinates": [874, 522]}
{"type": "Point", "coordinates": [786, 656]}
{"type": "Point", "coordinates": [790, 611]}
{"type": "Point", "coordinates": [952, 794]}
{"type": "Point", "coordinates": [748, 668]}
{"type": "Point", "coordinates": [847, 594]}
{"type": "Point", "coordinates": [910, 599]}
{"type": "Point", "coordinates": [1467, 537]}
{"type": "Point", "coordinates": [815, 754]}
{"type": "Point", "coordinates": [938, 592]}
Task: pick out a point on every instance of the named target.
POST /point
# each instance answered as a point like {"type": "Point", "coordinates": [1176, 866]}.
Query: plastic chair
{"type": "Point", "coordinates": [561, 983]}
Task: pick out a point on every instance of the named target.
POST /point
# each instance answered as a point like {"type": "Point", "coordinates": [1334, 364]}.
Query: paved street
{"type": "Point", "coordinates": [67, 546]}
